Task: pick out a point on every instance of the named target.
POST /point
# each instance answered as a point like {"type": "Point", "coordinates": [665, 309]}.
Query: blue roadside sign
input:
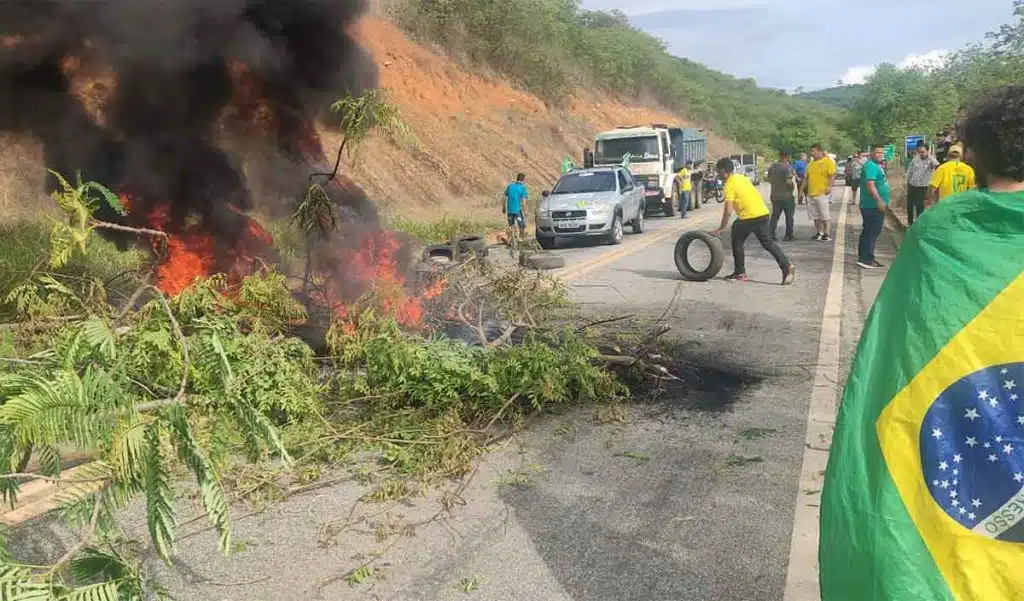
{"type": "Point", "coordinates": [911, 143]}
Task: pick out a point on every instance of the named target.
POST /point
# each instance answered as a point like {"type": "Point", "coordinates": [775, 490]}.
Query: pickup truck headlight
{"type": "Point", "coordinates": [543, 211]}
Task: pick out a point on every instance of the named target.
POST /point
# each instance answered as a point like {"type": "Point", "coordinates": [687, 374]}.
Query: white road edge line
{"type": "Point", "coordinates": [802, 574]}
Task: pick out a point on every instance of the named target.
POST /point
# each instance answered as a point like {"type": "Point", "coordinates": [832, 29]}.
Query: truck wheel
{"type": "Point", "coordinates": [545, 242]}
{"type": "Point", "coordinates": [615, 235]}
{"type": "Point", "coordinates": [683, 262]}
{"type": "Point", "coordinates": [669, 207]}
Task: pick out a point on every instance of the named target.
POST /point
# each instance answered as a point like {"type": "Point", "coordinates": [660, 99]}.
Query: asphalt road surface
{"type": "Point", "coordinates": [708, 493]}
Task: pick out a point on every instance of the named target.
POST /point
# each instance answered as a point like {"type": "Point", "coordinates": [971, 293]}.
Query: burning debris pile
{"type": "Point", "coordinates": [163, 101]}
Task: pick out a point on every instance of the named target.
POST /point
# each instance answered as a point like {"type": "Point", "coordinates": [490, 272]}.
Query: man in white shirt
{"type": "Point", "coordinates": [919, 174]}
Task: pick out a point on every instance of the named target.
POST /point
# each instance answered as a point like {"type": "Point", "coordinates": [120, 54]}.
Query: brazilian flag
{"type": "Point", "coordinates": [924, 493]}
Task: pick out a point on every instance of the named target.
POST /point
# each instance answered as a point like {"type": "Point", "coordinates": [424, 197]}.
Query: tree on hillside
{"type": "Point", "coordinates": [795, 134]}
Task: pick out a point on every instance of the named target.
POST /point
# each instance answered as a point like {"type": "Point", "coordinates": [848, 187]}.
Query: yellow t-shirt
{"type": "Point", "coordinates": [744, 197]}
{"type": "Point", "coordinates": [685, 184]}
{"type": "Point", "coordinates": [819, 173]}
{"type": "Point", "coordinates": [953, 177]}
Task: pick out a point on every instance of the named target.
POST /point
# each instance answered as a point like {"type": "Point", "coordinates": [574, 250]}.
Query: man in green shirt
{"type": "Point", "coordinates": [874, 200]}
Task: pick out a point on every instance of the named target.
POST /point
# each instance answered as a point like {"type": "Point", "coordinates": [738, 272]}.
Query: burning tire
{"type": "Point", "coordinates": [439, 253]}
{"type": "Point", "coordinates": [682, 258]}
{"type": "Point", "coordinates": [542, 261]}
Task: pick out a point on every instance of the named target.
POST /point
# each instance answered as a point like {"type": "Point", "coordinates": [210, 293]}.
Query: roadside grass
{"type": "Point", "coordinates": [24, 253]}
{"type": "Point", "coordinates": [444, 229]}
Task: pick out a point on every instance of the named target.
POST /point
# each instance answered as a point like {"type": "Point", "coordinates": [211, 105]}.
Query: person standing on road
{"type": "Point", "coordinates": [782, 180]}
{"type": "Point", "coordinates": [919, 177]}
{"type": "Point", "coordinates": [874, 199]}
{"type": "Point", "coordinates": [514, 206]}
{"type": "Point", "coordinates": [742, 197]}
{"type": "Point", "coordinates": [952, 177]}
{"type": "Point", "coordinates": [853, 173]}
{"type": "Point", "coordinates": [821, 174]}
{"type": "Point", "coordinates": [684, 184]}
{"type": "Point", "coordinates": [800, 168]}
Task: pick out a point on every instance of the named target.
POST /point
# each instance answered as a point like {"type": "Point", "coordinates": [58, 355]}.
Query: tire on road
{"type": "Point", "coordinates": [547, 242]}
{"type": "Point", "coordinates": [683, 262]}
{"type": "Point", "coordinates": [669, 207]}
{"type": "Point", "coordinates": [638, 223]}
{"type": "Point", "coordinates": [542, 260]}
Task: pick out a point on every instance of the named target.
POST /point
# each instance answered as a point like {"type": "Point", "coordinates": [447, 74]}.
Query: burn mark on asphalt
{"type": "Point", "coordinates": [706, 382]}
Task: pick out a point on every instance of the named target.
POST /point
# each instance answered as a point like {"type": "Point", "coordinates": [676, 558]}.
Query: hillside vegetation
{"type": "Point", "coordinates": [555, 48]}
{"type": "Point", "coordinates": [841, 97]}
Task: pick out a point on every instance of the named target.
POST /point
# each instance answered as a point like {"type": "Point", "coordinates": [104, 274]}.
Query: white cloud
{"type": "Point", "coordinates": [929, 60]}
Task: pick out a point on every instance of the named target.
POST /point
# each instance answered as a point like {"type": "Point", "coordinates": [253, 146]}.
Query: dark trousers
{"type": "Point", "coordinates": [779, 207]}
{"type": "Point", "coordinates": [873, 221]}
{"type": "Point", "coordinates": [741, 230]}
{"type": "Point", "coordinates": [915, 202]}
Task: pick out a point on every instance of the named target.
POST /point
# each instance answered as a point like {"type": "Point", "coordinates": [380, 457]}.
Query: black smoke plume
{"type": "Point", "coordinates": [172, 62]}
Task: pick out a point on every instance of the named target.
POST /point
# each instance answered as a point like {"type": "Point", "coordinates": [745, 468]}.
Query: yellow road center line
{"type": "Point", "coordinates": [577, 271]}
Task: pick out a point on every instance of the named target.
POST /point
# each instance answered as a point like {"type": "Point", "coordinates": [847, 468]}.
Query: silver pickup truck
{"type": "Point", "coordinates": [597, 202]}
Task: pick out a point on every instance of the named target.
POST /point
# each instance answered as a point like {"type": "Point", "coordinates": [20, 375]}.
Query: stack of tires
{"type": "Point", "coordinates": [456, 250]}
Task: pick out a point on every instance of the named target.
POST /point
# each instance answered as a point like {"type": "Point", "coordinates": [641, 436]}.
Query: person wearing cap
{"type": "Point", "coordinates": [919, 177]}
{"type": "Point", "coordinates": [952, 177]}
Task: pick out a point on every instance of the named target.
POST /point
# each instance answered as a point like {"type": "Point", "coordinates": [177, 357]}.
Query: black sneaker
{"type": "Point", "coordinates": [877, 265]}
{"type": "Point", "coordinates": [866, 264]}
{"type": "Point", "coordinates": [816, 237]}
{"type": "Point", "coordinates": [789, 238]}
{"type": "Point", "coordinates": [825, 238]}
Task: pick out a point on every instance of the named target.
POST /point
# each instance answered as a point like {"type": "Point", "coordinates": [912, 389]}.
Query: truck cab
{"type": "Point", "coordinates": [655, 153]}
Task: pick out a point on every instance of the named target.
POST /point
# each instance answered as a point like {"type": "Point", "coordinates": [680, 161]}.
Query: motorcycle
{"type": "Point", "coordinates": [713, 190]}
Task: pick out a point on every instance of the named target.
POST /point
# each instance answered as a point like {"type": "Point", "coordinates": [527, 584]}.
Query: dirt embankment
{"type": "Point", "coordinates": [474, 133]}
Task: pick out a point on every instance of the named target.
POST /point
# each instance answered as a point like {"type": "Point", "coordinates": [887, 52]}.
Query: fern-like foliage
{"type": "Point", "coordinates": [112, 386]}
{"type": "Point", "coordinates": [78, 202]}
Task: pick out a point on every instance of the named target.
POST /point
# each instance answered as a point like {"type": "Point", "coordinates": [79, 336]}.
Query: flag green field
{"type": "Point", "coordinates": [924, 492]}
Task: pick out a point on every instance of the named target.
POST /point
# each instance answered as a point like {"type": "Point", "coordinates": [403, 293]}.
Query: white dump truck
{"type": "Point", "coordinates": [655, 152]}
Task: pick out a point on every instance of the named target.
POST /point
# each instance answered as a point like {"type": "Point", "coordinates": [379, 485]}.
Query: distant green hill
{"type": "Point", "coordinates": [840, 97]}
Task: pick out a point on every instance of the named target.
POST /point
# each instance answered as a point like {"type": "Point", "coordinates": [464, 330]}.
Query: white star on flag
{"type": "Point", "coordinates": [972, 414]}
{"type": "Point", "coordinates": [987, 445]}
{"type": "Point", "coordinates": [955, 503]}
{"type": "Point", "coordinates": [971, 516]}
{"type": "Point", "coordinates": [956, 472]}
{"type": "Point", "coordinates": [1020, 419]}
{"type": "Point", "coordinates": [1009, 385]}
{"type": "Point", "coordinates": [976, 502]}
{"type": "Point", "coordinates": [972, 441]}
{"type": "Point", "coordinates": [983, 395]}
{"type": "Point", "coordinates": [943, 466]}
{"type": "Point", "coordinates": [1004, 371]}
{"type": "Point", "coordinates": [1007, 448]}
{"type": "Point", "coordinates": [993, 402]}
{"type": "Point", "coordinates": [935, 482]}
{"type": "Point", "coordinates": [936, 433]}
{"type": "Point", "coordinates": [945, 484]}
{"type": "Point", "coordinates": [957, 458]}
{"type": "Point", "coordinates": [1019, 477]}
{"type": "Point", "coordinates": [993, 458]}
{"type": "Point", "coordinates": [963, 510]}
{"type": "Point", "coordinates": [952, 494]}
{"type": "Point", "coordinates": [1013, 397]}
{"type": "Point", "coordinates": [999, 439]}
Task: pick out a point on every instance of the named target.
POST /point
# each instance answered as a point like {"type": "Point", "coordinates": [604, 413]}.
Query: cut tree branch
{"type": "Point", "coordinates": [106, 225]}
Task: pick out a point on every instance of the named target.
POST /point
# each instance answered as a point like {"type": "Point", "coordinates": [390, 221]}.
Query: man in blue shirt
{"type": "Point", "coordinates": [515, 203]}
{"type": "Point", "coordinates": [874, 200]}
{"type": "Point", "coordinates": [800, 168]}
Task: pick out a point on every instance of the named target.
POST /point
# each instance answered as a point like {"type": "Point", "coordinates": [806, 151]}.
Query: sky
{"type": "Point", "coordinates": [812, 44]}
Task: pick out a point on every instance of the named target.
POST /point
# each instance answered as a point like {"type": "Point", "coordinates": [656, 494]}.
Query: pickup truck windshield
{"type": "Point", "coordinates": [641, 149]}
{"type": "Point", "coordinates": [582, 183]}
